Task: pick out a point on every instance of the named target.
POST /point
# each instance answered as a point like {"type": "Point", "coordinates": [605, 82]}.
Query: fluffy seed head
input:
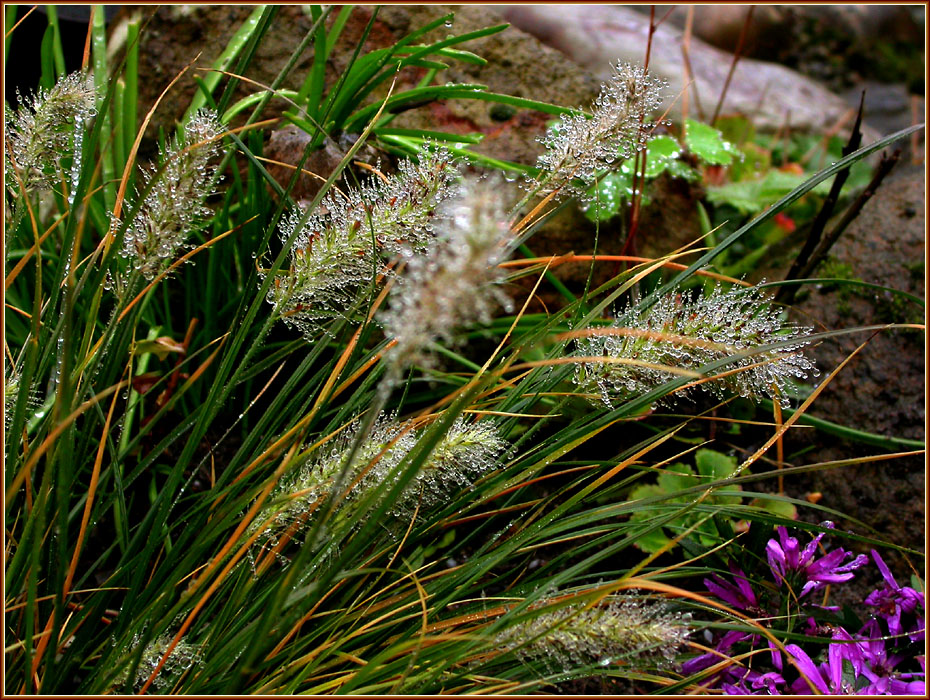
{"type": "Point", "coordinates": [174, 205]}
{"type": "Point", "coordinates": [339, 250]}
{"type": "Point", "coordinates": [680, 331]}
{"type": "Point", "coordinates": [47, 126]}
{"type": "Point", "coordinates": [464, 453]}
{"type": "Point", "coordinates": [578, 147]}
{"type": "Point", "coordinates": [454, 284]}
{"type": "Point", "coordinates": [623, 628]}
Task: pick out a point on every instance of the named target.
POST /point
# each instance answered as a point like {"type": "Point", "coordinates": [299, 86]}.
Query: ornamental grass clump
{"type": "Point", "coordinates": [341, 247]}
{"type": "Point", "coordinates": [202, 499]}
{"type": "Point", "coordinates": [173, 197]}
{"type": "Point", "coordinates": [681, 333]}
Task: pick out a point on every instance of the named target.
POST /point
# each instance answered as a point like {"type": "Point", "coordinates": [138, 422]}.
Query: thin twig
{"type": "Point", "coordinates": [736, 57]}
{"type": "Point", "coordinates": [691, 82]}
{"type": "Point", "coordinates": [639, 163]}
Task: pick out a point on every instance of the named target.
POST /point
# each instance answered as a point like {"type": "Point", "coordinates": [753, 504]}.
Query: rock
{"type": "Point", "coordinates": [770, 94]}
{"type": "Point", "coordinates": [885, 245]}
{"type": "Point", "coordinates": [721, 25]}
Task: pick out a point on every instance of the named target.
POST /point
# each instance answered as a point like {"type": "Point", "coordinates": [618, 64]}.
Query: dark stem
{"type": "Point", "coordinates": [736, 57]}
{"type": "Point", "coordinates": [801, 262]}
{"type": "Point", "coordinates": [884, 167]}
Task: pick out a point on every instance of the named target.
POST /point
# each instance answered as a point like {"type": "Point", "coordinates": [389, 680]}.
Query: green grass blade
{"type": "Point", "coordinates": [52, 13]}
{"type": "Point", "coordinates": [238, 41]}
{"type": "Point", "coordinates": [102, 83]}
{"type": "Point", "coordinates": [841, 431]}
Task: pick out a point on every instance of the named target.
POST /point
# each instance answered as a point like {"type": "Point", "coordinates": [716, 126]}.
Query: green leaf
{"type": "Point", "coordinates": [660, 152]}
{"type": "Point", "coordinates": [714, 465]}
{"type": "Point", "coordinates": [753, 196]}
{"type": "Point", "coordinates": [786, 509]}
{"type": "Point", "coordinates": [708, 144]}
{"type": "Point", "coordinates": [676, 477]}
{"type": "Point", "coordinates": [663, 154]}
{"type": "Point", "coordinates": [607, 196]}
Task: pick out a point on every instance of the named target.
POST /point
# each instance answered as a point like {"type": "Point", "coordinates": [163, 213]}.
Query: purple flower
{"type": "Point", "coordinates": [786, 557]}
{"type": "Point", "coordinates": [767, 682]}
{"type": "Point", "coordinates": [740, 595]}
{"type": "Point", "coordinates": [893, 600]}
{"type": "Point", "coordinates": [827, 677]}
{"type": "Point", "coordinates": [871, 660]}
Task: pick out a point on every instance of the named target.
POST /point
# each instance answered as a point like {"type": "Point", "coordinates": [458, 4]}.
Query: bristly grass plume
{"type": "Point", "coordinates": [46, 127]}
{"type": "Point", "coordinates": [685, 332]}
{"type": "Point", "coordinates": [465, 452]}
{"type": "Point", "coordinates": [173, 205]}
{"type": "Point", "coordinates": [579, 147]}
{"type": "Point", "coordinates": [623, 628]}
{"type": "Point", "coordinates": [342, 246]}
{"type": "Point", "coordinates": [455, 283]}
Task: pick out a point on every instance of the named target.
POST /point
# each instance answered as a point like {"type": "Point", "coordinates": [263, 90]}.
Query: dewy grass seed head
{"type": "Point", "coordinates": [46, 127]}
{"type": "Point", "coordinates": [621, 629]}
{"type": "Point", "coordinates": [342, 246]}
{"type": "Point", "coordinates": [579, 147]}
{"type": "Point", "coordinates": [174, 206]}
{"type": "Point", "coordinates": [456, 282]}
{"type": "Point", "coordinates": [686, 331]}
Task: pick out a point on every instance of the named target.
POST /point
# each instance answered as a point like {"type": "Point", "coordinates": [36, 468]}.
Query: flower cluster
{"type": "Point", "coordinates": [339, 248]}
{"type": "Point", "coordinates": [679, 332]}
{"type": "Point", "coordinates": [173, 204]}
{"type": "Point", "coordinates": [883, 658]}
{"type": "Point", "coordinates": [455, 282]}
{"type": "Point", "coordinates": [578, 635]}
{"type": "Point", "coordinates": [47, 126]}
{"type": "Point", "coordinates": [465, 452]}
{"type": "Point", "coordinates": [578, 147]}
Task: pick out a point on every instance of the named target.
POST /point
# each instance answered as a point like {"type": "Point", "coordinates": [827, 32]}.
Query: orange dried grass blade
{"type": "Point", "coordinates": [801, 409]}
{"type": "Point", "coordinates": [14, 273]}
{"type": "Point", "coordinates": [526, 220]}
{"type": "Point", "coordinates": [20, 21]}
{"type": "Point", "coordinates": [85, 59]}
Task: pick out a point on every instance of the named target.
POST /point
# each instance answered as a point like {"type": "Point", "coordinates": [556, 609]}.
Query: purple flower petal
{"type": "Point", "coordinates": [808, 669]}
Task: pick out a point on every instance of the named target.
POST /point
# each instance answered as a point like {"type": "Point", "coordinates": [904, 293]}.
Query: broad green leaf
{"type": "Point", "coordinates": [708, 144]}
{"type": "Point", "coordinates": [714, 465]}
